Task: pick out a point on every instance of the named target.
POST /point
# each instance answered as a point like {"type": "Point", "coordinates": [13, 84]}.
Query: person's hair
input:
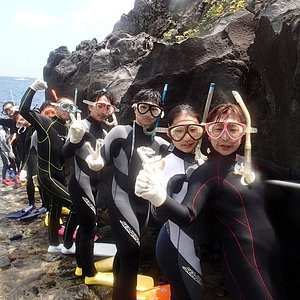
{"type": "Point", "coordinates": [59, 99]}
{"type": "Point", "coordinates": [100, 93]}
{"type": "Point", "coordinates": [44, 105]}
{"type": "Point", "coordinates": [148, 95]}
{"type": "Point", "coordinates": [226, 110]}
{"type": "Point", "coordinates": [7, 102]}
{"type": "Point", "coordinates": [15, 116]}
{"type": "Point", "coordinates": [179, 109]}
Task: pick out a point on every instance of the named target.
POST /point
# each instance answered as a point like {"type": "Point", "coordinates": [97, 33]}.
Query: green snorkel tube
{"type": "Point", "coordinates": [156, 128]}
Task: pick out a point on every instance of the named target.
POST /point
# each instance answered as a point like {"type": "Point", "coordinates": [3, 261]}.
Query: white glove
{"type": "Point", "coordinates": [35, 180]}
{"type": "Point", "coordinates": [11, 155]}
{"type": "Point", "coordinates": [39, 84]}
{"type": "Point", "coordinates": [94, 159]}
{"type": "Point", "coordinates": [77, 130]}
{"type": "Point", "coordinates": [150, 181]}
{"type": "Point", "coordinates": [23, 175]}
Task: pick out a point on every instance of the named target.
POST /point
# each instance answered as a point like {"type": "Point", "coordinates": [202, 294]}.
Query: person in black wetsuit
{"type": "Point", "coordinates": [84, 183]}
{"type": "Point", "coordinates": [8, 109]}
{"type": "Point", "coordinates": [28, 155]}
{"type": "Point", "coordinates": [128, 214]}
{"type": "Point", "coordinates": [250, 248]}
{"type": "Point", "coordinates": [175, 248]}
{"type": "Point", "coordinates": [51, 136]}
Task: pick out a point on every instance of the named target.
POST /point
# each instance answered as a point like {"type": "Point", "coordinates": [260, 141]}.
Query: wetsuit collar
{"type": "Point", "coordinates": [56, 118]}
{"type": "Point", "coordinates": [189, 157]}
{"type": "Point", "coordinates": [93, 121]}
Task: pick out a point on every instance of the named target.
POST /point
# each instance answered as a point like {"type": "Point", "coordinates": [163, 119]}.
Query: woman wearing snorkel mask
{"type": "Point", "coordinates": [85, 184]}
{"type": "Point", "coordinates": [175, 247]}
{"type": "Point", "coordinates": [127, 213]}
{"type": "Point", "coordinates": [249, 245]}
{"type": "Point", "coordinates": [51, 136]}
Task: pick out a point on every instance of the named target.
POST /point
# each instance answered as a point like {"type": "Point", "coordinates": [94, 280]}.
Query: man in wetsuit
{"type": "Point", "coordinates": [84, 183]}
{"type": "Point", "coordinates": [51, 136]}
{"type": "Point", "coordinates": [129, 214]}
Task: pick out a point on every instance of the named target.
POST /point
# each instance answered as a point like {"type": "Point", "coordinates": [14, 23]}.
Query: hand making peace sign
{"type": "Point", "coordinates": [94, 159]}
{"type": "Point", "coordinates": [77, 130]}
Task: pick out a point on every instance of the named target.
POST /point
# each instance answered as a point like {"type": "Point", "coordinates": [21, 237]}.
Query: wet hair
{"type": "Point", "coordinates": [44, 105]}
{"type": "Point", "coordinates": [179, 109]}
{"type": "Point", "coordinates": [7, 102]}
{"type": "Point", "coordinates": [148, 95]}
{"type": "Point", "coordinates": [100, 93]}
{"type": "Point", "coordinates": [15, 116]}
{"type": "Point", "coordinates": [226, 110]}
{"type": "Point", "coordinates": [60, 99]}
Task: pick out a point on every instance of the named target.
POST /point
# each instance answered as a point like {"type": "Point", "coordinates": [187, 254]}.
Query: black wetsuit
{"type": "Point", "coordinates": [9, 123]}
{"type": "Point", "coordinates": [28, 155]}
{"type": "Point", "coordinates": [4, 151]}
{"type": "Point", "coordinates": [84, 188]}
{"type": "Point", "coordinates": [249, 244]}
{"type": "Point", "coordinates": [128, 213]}
{"type": "Point", "coordinates": [175, 247]}
{"type": "Point", "coordinates": [51, 136]}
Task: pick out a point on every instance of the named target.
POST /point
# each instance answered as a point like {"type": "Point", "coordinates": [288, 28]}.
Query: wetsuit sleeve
{"type": "Point", "coordinates": [37, 120]}
{"type": "Point", "coordinates": [272, 171]}
{"type": "Point", "coordinates": [69, 149]}
{"type": "Point", "coordinates": [194, 201]}
{"type": "Point", "coordinates": [111, 143]}
{"type": "Point", "coordinates": [7, 123]}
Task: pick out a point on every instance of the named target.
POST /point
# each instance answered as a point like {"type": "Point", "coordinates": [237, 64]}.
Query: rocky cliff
{"type": "Point", "coordinates": [250, 47]}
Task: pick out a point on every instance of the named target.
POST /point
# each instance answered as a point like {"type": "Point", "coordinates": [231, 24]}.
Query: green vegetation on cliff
{"type": "Point", "coordinates": [211, 11]}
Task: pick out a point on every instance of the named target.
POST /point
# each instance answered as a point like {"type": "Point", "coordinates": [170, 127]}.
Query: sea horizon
{"type": "Point", "coordinates": [12, 88]}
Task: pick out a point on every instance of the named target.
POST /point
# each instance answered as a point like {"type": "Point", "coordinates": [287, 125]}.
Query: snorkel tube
{"type": "Point", "coordinates": [114, 121]}
{"type": "Point", "coordinates": [156, 128]}
{"type": "Point", "coordinates": [248, 176]}
{"type": "Point", "coordinates": [54, 95]}
{"type": "Point", "coordinates": [198, 154]}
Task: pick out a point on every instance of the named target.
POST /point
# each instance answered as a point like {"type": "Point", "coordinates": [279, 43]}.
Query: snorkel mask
{"type": "Point", "coordinates": [107, 109]}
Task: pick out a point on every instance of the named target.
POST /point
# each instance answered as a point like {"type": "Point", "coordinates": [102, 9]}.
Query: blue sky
{"type": "Point", "coordinates": [30, 30]}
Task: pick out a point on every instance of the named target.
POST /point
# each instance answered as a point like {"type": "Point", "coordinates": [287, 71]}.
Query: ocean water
{"type": "Point", "coordinates": [13, 88]}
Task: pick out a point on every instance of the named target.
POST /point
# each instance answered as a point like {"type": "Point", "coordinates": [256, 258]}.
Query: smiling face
{"type": "Point", "coordinates": [187, 144]}
{"type": "Point", "coordinates": [224, 144]}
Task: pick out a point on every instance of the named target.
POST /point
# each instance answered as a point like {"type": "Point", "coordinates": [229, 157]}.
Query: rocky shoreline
{"type": "Point", "coordinates": [29, 272]}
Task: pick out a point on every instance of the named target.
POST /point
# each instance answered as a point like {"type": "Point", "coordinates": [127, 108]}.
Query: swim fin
{"type": "Point", "coordinates": [21, 213]}
{"type": "Point", "coordinates": [33, 214]}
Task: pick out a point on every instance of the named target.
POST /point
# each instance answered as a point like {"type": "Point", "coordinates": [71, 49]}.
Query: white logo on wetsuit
{"type": "Point", "coordinates": [130, 231]}
{"type": "Point", "coordinates": [192, 274]}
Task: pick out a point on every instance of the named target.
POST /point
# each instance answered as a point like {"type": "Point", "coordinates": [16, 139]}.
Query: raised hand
{"type": "Point", "coordinates": [39, 84]}
{"type": "Point", "coordinates": [94, 159]}
{"type": "Point", "coordinates": [150, 181]}
{"type": "Point", "coordinates": [76, 131]}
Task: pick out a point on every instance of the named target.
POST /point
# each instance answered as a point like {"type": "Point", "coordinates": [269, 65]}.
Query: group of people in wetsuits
{"type": "Point", "coordinates": [164, 177]}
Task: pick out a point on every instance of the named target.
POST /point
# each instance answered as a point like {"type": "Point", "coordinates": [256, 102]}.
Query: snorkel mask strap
{"type": "Point", "coordinates": [163, 100]}
{"type": "Point", "coordinates": [248, 176]}
{"type": "Point", "coordinates": [198, 154]}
